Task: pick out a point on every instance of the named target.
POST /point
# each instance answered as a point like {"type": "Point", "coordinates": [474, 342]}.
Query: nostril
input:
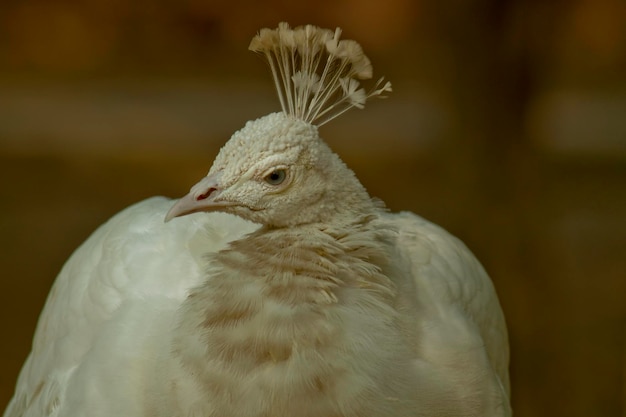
{"type": "Point", "coordinates": [206, 194]}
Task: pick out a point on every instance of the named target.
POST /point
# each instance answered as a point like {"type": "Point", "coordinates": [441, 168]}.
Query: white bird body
{"type": "Point", "coordinates": [104, 344]}
{"type": "Point", "coordinates": [301, 297]}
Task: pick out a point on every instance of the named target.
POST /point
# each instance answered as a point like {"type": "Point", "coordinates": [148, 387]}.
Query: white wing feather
{"type": "Point", "coordinates": [454, 312]}
{"type": "Point", "coordinates": [111, 308]}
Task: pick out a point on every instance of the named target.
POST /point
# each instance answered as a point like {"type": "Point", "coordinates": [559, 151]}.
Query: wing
{"type": "Point", "coordinates": [455, 315]}
{"type": "Point", "coordinates": [112, 307]}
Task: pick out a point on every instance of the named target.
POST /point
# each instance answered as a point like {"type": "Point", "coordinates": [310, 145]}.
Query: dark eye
{"type": "Point", "coordinates": [276, 177]}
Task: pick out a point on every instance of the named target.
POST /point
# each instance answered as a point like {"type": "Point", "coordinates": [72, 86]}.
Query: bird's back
{"type": "Point", "coordinates": [452, 312]}
{"type": "Point", "coordinates": [111, 309]}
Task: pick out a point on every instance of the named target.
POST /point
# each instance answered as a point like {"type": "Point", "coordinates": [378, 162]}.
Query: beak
{"type": "Point", "coordinates": [201, 197]}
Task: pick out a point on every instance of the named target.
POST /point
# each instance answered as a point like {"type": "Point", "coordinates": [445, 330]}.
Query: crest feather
{"type": "Point", "coordinates": [316, 75]}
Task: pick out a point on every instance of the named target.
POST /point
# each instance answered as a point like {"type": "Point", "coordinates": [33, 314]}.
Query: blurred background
{"type": "Point", "coordinates": [507, 126]}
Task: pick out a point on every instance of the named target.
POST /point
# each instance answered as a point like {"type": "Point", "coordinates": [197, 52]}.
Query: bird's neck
{"type": "Point", "coordinates": [277, 274]}
{"type": "Point", "coordinates": [284, 307]}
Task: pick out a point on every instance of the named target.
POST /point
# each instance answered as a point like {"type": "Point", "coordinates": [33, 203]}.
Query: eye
{"type": "Point", "coordinates": [276, 177]}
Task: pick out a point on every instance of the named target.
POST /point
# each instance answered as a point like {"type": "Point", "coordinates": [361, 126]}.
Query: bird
{"type": "Point", "coordinates": [276, 287]}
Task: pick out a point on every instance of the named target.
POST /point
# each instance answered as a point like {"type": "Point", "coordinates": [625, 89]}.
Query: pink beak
{"type": "Point", "coordinates": [201, 197]}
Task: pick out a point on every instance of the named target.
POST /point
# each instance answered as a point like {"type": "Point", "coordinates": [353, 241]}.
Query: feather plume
{"type": "Point", "coordinates": [316, 75]}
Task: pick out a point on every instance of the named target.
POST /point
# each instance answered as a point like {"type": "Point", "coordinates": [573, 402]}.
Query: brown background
{"type": "Point", "coordinates": [507, 126]}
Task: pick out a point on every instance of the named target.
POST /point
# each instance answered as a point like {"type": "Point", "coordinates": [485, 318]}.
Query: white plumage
{"type": "Point", "coordinates": [291, 293]}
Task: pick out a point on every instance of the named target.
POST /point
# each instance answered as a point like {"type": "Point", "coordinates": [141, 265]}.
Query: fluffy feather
{"type": "Point", "coordinates": [290, 292]}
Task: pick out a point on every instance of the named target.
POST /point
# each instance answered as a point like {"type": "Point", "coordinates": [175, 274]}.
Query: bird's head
{"type": "Point", "coordinates": [276, 171]}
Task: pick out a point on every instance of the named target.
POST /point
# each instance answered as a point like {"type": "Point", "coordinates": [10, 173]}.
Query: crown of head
{"type": "Point", "coordinates": [316, 75]}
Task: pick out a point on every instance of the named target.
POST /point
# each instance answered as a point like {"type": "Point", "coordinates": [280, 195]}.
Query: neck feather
{"type": "Point", "coordinates": [284, 308]}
